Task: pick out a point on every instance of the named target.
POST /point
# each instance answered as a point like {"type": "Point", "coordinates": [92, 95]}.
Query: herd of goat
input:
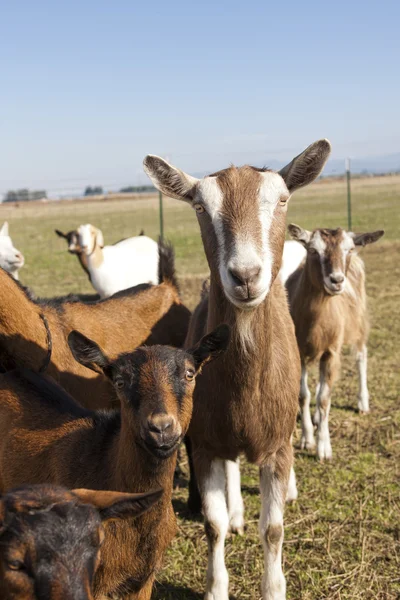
{"type": "Point", "coordinates": [97, 392]}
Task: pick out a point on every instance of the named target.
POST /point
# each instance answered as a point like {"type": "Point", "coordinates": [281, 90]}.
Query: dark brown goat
{"type": "Point", "coordinates": [50, 539]}
{"type": "Point", "coordinates": [247, 404]}
{"type": "Point", "coordinates": [144, 314]}
{"type": "Point", "coordinates": [46, 437]}
{"type": "Point", "coordinates": [328, 305]}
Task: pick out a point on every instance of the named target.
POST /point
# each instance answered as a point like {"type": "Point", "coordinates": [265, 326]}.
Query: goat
{"type": "Point", "coordinates": [293, 255]}
{"type": "Point", "coordinates": [247, 403]}
{"type": "Point", "coordinates": [74, 247]}
{"type": "Point", "coordinates": [113, 268]}
{"type": "Point", "coordinates": [34, 333]}
{"type": "Point", "coordinates": [46, 437]}
{"type": "Point", "coordinates": [50, 538]}
{"type": "Point", "coordinates": [11, 259]}
{"type": "Point", "coordinates": [328, 305]}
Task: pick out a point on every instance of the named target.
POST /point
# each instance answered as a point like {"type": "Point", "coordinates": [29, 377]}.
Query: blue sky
{"type": "Point", "coordinates": [88, 88]}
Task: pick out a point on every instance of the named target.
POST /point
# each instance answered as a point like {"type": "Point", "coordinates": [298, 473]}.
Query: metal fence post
{"type": "Point", "coordinates": [161, 210]}
{"type": "Point", "coordinates": [348, 194]}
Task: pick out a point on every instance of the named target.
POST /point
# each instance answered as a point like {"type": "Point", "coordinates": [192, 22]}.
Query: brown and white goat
{"type": "Point", "coordinates": [247, 403]}
{"type": "Point", "coordinates": [50, 538]}
{"type": "Point", "coordinates": [46, 437]}
{"type": "Point", "coordinates": [328, 305]}
{"type": "Point", "coordinates": [74, 247]}
{"type": "Point", "coordinates": [34, 334]}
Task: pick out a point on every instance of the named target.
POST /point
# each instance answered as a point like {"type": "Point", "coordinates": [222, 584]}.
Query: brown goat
{"type": "Point", "coordinates": [46, 437]}
{"type": "Point", "coordinates": [247, 403]}
{"type": "Point", "coordinates": [50, 539]}
{"type": "Point", "coordinates": [34, 333]}
{"type": "Point", "coordinates": [329, 308]}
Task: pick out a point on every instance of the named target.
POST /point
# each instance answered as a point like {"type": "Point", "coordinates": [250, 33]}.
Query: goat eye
{"type": "Point", "coordinates": [119, 384]}
{"type": "Point", "coordinates": [16, 565]}
{"type": "Point", "coordinates": [283, 201]}
{"type": "Point", "coordinates": [199, 208]}
{"type": "Point", "coordinates": [189, 374]}
{"type": "Point", "coordinates": [312, 251]}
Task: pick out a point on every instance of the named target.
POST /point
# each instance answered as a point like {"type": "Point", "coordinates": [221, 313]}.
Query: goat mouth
{"type": "Point", "coordinates": [162, 451]}
{"type": "Point", "coordinates": [334, 292]}
{"type": "Point", "coordinates": [246, 303]}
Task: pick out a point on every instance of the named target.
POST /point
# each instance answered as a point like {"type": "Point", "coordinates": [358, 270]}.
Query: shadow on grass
{"type": "Point", "coordinates": [181, 508]}
{"type": "Point", "coordinates": [169, 591]}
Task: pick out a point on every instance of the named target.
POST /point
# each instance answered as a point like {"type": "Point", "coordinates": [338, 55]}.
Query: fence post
{"type": "Point", "coordinates": [348, 194]}
{"type": "Point", "coordinates": [161, 210]}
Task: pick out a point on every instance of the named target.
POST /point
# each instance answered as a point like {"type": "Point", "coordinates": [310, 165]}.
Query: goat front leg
{"type": "Point", "coordinates": [307, 428]}
{"type": "Point", "coordinates": [328, 370]}
{"type": "Point", "coordinates": [274, 479]}
{"type": "Point", "coordinates": [363, 394]}
{"type": "Point", "coordinates": [234, 496]}
{"type": "Point", "coordinates": [212, 482]}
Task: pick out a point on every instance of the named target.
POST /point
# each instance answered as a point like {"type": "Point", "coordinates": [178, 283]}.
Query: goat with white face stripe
{"type": "Point", "coordinates": [248, 404]}
{"type": "Point", "coordinates": [328, 305]}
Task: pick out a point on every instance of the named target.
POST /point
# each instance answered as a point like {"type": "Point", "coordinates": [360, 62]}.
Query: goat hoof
{"type": "Point", "coordinates": [307, 444]}
{"type": "Point", "coordinates": [236, 524]}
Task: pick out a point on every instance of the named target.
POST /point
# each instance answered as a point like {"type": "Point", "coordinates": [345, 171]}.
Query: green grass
{"type": "Point", "coordinates": [342, 536]}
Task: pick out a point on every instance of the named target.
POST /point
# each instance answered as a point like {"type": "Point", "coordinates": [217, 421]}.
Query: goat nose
{"type": "Point", "coordinates": [336, 278]}
{"type": "Point", "coordinates": [18, 255]}
{"type": "Point", "coordinates": [244, 276]}
{"type": "Point", "coordinates": [160, 423]}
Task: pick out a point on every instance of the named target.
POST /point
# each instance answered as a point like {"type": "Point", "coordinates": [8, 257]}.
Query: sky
{"type": "Point", "coordinates": [88, 88]}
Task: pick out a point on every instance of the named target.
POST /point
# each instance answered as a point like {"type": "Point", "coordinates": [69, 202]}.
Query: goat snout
{"type": "Point", "coordinates": [163, 434]}
{"type": "Point", "coordinates": [336, 278]}
{"type": "Point", "coordinates": [245, 276]}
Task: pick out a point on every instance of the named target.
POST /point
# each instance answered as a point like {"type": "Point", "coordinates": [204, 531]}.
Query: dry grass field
{"type": "Point", "coordinates": [342, 536]}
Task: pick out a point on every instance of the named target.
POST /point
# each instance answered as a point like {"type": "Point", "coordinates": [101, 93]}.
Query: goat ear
{"type": "Point", "coordinates": [118, 505]}
{"type": "Point", "coordinates": [211, 345]}
{"type": "Point", "coordinates": [99, 238]}
{"type": "Point", "coordinates": [306, 167]}
{"type": "Point", "coordinates": [4, 229]}
{"type": "Point", "coordinates": [60, 233]}
{"type": "Point", "coordinates": [299, 234]}
{"type": "Point", "coordinates": [362, 239]}
{"type": "Point", "coordinates": [88, 353]}
{"type": "Point", "coordinates": [168, 179]}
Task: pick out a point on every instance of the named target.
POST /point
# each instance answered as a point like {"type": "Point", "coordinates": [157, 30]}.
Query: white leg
{"type": "Point", "coordinates": [363, 394]}
{"type": "Point", "coordinates": [307, 428]}
{"type": "Point", "coordinates": [324, 448]}
{"type": "Point", "coordinates": [216, 525]}
{"type": "Point", "coordinates": [234, 496]}
{"type": "Point", "coordinates": [273, 492]}
{"type": "Point", "coordinates": [292, 492]}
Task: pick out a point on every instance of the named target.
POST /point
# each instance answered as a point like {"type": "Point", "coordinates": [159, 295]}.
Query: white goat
{"type": "Point", "coordinates": [121, 266]}
{"type": "Point", "coordinates": [293, 255]}
{"type": "Point", "coordinates": [11, 259]}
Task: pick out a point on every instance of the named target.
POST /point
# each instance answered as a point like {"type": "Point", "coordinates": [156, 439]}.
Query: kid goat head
{"type": "Point", "coordinates": [329, 253]}
{"type": "Point", "coordinates": [155, 384]}
{"type": "Point", "coordinates": [50, 539]}
{"type": "Point", "coordinates": [242, 213]}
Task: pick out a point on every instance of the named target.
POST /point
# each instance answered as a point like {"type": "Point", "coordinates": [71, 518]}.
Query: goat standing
{"type": "Point", "coordinates": [329, 308]}
{"type": "Point", "coordinates": [249, 401]}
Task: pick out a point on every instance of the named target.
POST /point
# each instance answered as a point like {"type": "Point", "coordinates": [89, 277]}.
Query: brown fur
{"type": "Point", "coordinates": [119, 324]}
{"type": "Point", "coordinates": [50, 539]}
{"type": "Point", "coordinates": [45, 436]}
{"type": "Point", "coordinates": [74, 247]}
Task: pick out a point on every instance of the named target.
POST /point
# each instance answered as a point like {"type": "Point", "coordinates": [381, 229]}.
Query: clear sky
{"type": "Point", "coordinates": [87, 88]}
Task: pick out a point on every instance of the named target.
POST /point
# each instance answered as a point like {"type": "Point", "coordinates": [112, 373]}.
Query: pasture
{"type": "Point", "coordinates": [342, 536]}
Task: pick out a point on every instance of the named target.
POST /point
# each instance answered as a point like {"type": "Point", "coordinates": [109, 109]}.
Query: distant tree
{"type": "Point", "coordinates": [137, 189]}
{"type": "Point", "coordinates": [11, 196]}
{"type": "Point", "coordinates": [93, 191]}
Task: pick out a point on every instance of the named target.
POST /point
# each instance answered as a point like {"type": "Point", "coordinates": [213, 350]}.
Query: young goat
{"type": "Point", "coordinates": [74, 247]}
{"type": "Point", "coordinates": [328, 306]}
{"type": "Point", "coordinates": [46, 437]}
{"type": "Point", "coordinates": [11, 259]}
{"type": "Point", "coordinates": [247, 404]}
{"type": "Point", "coordinates": [33, 334]}
{"type": "Point", "coordinates": [125, 264]}
{"type": "Point", "coordinates": [50, 539]}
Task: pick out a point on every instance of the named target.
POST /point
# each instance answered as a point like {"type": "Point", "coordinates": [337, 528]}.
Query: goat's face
{"type": "Point", "coordinates": [329, 254]}
{"type": "Point", "coordinates": [89, 238]}
{"type": "Point", "coordinates": [11, 259]}
{"type": "Point", "coordinates": [50, 539]}
{"type": "Point", "coordinates": [156, 383]}
{"type": "Point", "coordinates": [72, 238]}
{"type": "Point", "coordinates": [241, 212]}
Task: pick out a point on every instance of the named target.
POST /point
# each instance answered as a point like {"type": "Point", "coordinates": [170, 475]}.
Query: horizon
{"type": "Point", "coordinates": [91, 89]}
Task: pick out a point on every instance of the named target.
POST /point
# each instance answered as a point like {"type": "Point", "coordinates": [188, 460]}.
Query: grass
{"type": "Point", "coordinates": [342, 536]}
